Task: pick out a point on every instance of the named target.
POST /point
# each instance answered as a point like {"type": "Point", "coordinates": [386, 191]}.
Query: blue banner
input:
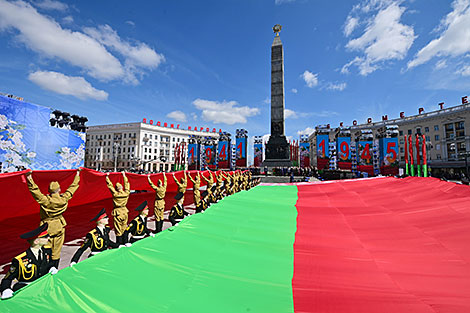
{"type": "Point", "coordinates": [323, 150]}
{"type": "Point", "coordinates": [304, 154]}
{"type": "Point", "coordinates": [364, 153]}
{"type": "Point", "coordinates": [223, 154]}
{"type": "Point", "coordinates": [209, 156]}
{"type": "Point", "coordinates": [240, 151]}
{"type": "Point", "coordinates": [28, 141]}
{"type": "Point", "coordinates": [344, 149]}
{"type": "Point", "coordinates": [193, 156]}
{"type": "Point", "coordinates": [258, 154]}
{"type": "Point", "coordinates": [388, 151]}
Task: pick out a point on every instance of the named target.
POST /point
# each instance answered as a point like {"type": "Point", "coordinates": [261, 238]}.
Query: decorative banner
{"type": "Point", "coordinates": [193, 156]}
{"type": "Point", "coordinates": [210, 156]}
{"type": "Point", "coordinates": [223, 154]}
{"type": "Point", "coordinates": [388, 156]}
{"type": "Point", "coordinates": [27, 140]}
{"type": "Point", "coordinates": [364, 153]}
{"type": "Point", "coordinates": [258, 154]}
{"type": "Point", "coordinates": [323, 151]}
{"type": "Point", "coordinates": [304, 154]}
{"type": "Point", "coordinates": [344, 152]}
{"type": "Point", "coordinates": [240, 152]}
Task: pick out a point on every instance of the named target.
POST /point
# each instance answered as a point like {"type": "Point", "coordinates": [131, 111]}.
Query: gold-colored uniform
{"type": "Point", "coordinates": [51, 209]}
{"type": "Point", "coordinates": [160, 192]}
{"type": "Point", "coordinates": [196, 192]}
{"type": "Point", "coordinates": [210, 183]}
{"type": "Point", "coordinates": [182, 185]}
{"type": "Point", "coordinates": [120, 210]}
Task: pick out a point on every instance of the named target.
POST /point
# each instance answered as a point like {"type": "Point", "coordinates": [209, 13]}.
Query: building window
{"type": "Point", "coordinates": [436, 137]}
{"type": "Point", "coordinates": [426, 129]}
{"type": "Point", "coordinates": [150, 136]}
{"type": "Point", "coordinates": [418, 131]}
{"type": "Point", "coordinates": [459, 129]}
{"type": "Point", "coordinates": [402, 150]}
{"type": "Point", "coordinates": [438, 147]}
{"type": "Point", "coordinates": [145, 135]}
{"type": "Point", "coordinates": [436, 127]}
{"type": "Point", "coordinates": [409, 131]}
{"type": "Point", "coordinates": [401, 133]}
{"type": "Point", "coordinates": [145, 150]}
{"type": "Point", "coordinates": [155, 150]}
{"type": "Point", "coordinates": [124, 135]}
{"type": "Point", "coordinates": [402, 141]}
{"type": "Point", "coordinates": [173, 139]}
{"type": "Point", "coordinates": [178, 140]}
{"type": "Point", "coordinates": [438, 156]}
{"type": "Point", "coordinates": [428, 138]}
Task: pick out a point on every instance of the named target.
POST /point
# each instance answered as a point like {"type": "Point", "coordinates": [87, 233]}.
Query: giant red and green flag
{"type": "Point", "coordinates": [372, 245]}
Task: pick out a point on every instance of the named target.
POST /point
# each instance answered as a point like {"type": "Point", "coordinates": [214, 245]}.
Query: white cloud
{"type": "Point", "coordinates": [310, 79]}
{"type": "Point", "coordinates": [454, 39]}
{"type": "Point", "coordinates": [279, 2]}
{"type": "Point", "coordinates": [67, 85]}
{"type": "Point", "coordinates": [130, 23]}
{"type": "Point", "coordinates": [325, 113]}
{"type": "Point", "coordinates": [441, 64]}
{"type": "Point", "coordinates": [267, 100]}
{"type": "Point", "coordinates": [337, 87]}
{"type": "Point", "coordinates": [194, 116]}
{"type": "Point", "coordinates": [350, 25]}
{"type": "Point", "coordinates": [136, 56]}
{"type": "Point", "coordinates": [306, 131]}
{"type": "Point", "coordinates": [51, 5]}
{"type": "Point", "coordinates": [289, 114]}
{"type": "Point", "coordinates": [224, 112]}
{"type": "Point", "coordinates": [294, 90]}
{"type": "Point", "coordinates": [178, 116]}
{"type": "Point", "coordinates": [45, 36]}
{"type": "Point", "coordinates": [464, 71]}
{"type": "Point", "coordinates": [68, 19]}
{"type": "Point", "coordinates": [384, 38]}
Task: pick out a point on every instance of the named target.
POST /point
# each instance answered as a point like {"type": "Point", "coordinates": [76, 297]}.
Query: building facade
{"type": "Point", "coordinates": [446, 131]}
{"type": "Point", "coordinates": [136, 146]}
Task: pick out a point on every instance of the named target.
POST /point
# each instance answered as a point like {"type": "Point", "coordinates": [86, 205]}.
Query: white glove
{"type": "Point", "coordinates": [72, 263]}
{"type": "Point", "coordinates": [152, 235]}
{"type": "Point", "coordinates": [7, 293]}
{"type": "Point", "coordinates": [120, 246]}
{"type": "Point", "coordinates": [128, 244]}
{"type": "Point", "coordinates": [53, 271]}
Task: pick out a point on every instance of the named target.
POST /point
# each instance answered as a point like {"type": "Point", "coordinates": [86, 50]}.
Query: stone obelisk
{"type": "Point", "coordinates": [277, 148]}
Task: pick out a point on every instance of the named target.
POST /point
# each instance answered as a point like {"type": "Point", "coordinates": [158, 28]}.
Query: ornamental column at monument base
{"type": "Point", "coordinates": [277, 148]}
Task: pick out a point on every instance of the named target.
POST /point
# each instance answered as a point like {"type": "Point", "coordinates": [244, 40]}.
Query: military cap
{"type": "Point", "coordinates": [142, 206]}
{"type": "Point", "coordinates": [179, 195]}
{"type": "Point", "coordinates": [99, 216]}
{"type": "Point", "coordinates": [204, 193]}
{"type": "Point", "coordinates": [41, 231]}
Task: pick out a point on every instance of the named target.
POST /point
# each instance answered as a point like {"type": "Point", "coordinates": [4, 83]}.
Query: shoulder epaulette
{"type": "Point", "coordinates": [22, 255]}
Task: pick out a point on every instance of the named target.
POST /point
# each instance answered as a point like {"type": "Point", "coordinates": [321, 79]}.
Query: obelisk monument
{"type": "Point", "coordinates": [277, 148]}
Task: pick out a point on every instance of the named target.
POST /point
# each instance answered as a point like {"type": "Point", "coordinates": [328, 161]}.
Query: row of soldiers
{"type": "Point", "coordinates": [46, 241]}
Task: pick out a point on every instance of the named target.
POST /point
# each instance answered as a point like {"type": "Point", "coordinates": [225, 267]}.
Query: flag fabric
{"type": "Point", "coordinates": [370, 245]}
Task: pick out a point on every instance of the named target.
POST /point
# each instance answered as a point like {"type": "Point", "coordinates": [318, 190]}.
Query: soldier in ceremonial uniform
{"type": "Point", "coordinates": [212, 195]}
{"type": "Point", "coordinates": [138, 227]}
{"type": "Point", "coordinates": [210, 183]}
{"type": "Point", "coordinates": [177, 212]}
{"type": "Point", "coordinates": [227, 184]}
{"type": "Point", "coordinates": [219, 182]}
{"type": "Point", "coordinates": [31, 264]}
{"type": "Point", "coordinates": [203, 204]}
{"type": "Point", "coordinates": [97, 240]}
{"type": "Point", "coordinates": [120, 211]}
{"type": "Point", "coordinates": [196, 185]}
{"type": "Point", "coordinates": [182, 184]}
{"type": "Point", "coordinates": [159, 208]}
{"type": "Point", "coordinates": [51, 208]}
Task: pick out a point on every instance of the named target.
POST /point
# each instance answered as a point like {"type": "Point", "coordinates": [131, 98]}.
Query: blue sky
{"type": "Point", "coordinates": [207, 63]}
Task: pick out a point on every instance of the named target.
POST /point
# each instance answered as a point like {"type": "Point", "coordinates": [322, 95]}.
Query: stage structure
{"type": "Point", "coordinates": [35, 137]}
{"type": "Point", "coordinates": [323, 146]}
{"type": "Point", "coordinates": [241, 144]}
{"type": "Point", "coordinates": [388, 147]}
{"type": "Point", "coordinates": [209, 154]}
{"type": "Point", "coordinates": [343, 148]}
{"type": "Point", "coordinates": [224, 151]}
{"type": "Point", "coordinates": [304, 151]}
{"type": "Point", "coordinates": [364, 150]}
{"type": "Point", "coordinates": [258, 151]}
{"type": "Point", "coordinates": [194, 157]}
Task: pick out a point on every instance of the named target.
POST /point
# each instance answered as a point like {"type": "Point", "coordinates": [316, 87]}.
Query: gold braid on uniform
{"type": "Point", "coordinates": [24, 271]}
{"type": "Point", "coordinates": [139, 231]}
{"type": "Point", "coordinates": [97, 241]}
{"type": "Point", "coordinates": [178, 211]}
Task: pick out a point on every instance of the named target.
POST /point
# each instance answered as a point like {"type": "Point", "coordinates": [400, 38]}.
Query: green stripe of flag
{"type": "Point", "coordinates": [236, 257]}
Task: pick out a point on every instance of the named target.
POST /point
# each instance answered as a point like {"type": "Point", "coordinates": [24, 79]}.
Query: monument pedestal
{"type": "Point", "coordinates": [277, 152]}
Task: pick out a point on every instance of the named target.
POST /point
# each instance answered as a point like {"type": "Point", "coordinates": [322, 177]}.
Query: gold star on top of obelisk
{"type": "Point", "coordinates": [277, 28]}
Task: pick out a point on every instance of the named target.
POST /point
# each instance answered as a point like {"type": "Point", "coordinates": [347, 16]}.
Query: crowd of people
{"type": "Point", "coordinates": [46, 241]}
